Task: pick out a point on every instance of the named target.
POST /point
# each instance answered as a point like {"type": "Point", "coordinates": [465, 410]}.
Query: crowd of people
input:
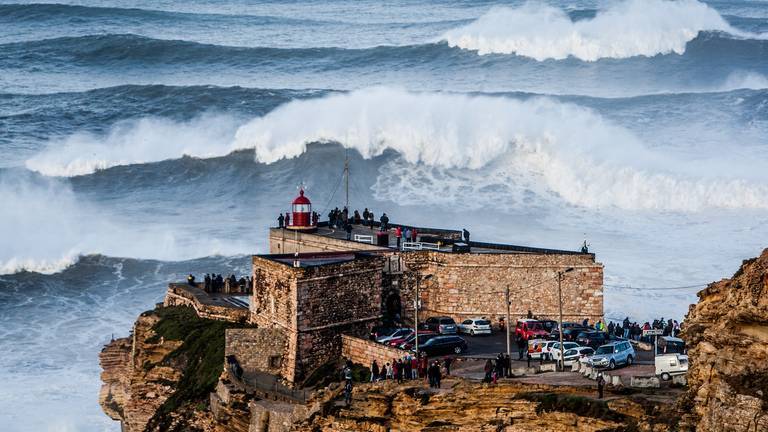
{"type": "Point", "coordinates": [411, 368]}
{"type": "Point", "coordinates": [216, 283]}
{"type": "Point", "coordinates": [633, 330]}
{"type": "Point", "coordinates": [497, 368]}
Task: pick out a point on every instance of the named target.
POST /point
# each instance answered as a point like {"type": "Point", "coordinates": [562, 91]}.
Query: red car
{"type": "Point", "coordinates": [531, 329]}
{"type": "Point", "coordinates": [405, 338]}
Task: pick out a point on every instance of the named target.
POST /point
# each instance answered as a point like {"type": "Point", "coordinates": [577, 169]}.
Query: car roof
{"type": "Point", "coordinates": [673, 339]}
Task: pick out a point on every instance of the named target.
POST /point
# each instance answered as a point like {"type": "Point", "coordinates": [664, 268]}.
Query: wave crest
{"type": "Point", "coordinates": [626, 29]}
{"type": "Point", "coordinates": [564, 148]}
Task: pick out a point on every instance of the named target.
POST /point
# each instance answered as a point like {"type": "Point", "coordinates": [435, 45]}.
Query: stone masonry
{"type": "Point", "coordinates": [314, 303]}
{"type": "Point", "coordinates": [364, 351]}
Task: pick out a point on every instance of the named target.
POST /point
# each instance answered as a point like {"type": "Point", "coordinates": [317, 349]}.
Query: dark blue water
{"type": "Point", "coordinates": [145, 140]}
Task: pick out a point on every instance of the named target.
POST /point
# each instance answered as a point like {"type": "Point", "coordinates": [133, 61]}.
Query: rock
{"type": "Point", "coordinates": [728, 334]}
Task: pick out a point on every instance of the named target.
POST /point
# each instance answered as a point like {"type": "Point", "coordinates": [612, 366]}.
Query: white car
{"type": "Point", "coordinates": [552, 350]}
{"type": "Point", "coordinates": [475, 326]}
{"type": "Point", "coordinates": [578, 354]}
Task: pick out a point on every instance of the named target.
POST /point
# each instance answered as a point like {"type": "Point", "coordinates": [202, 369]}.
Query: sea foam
{"type": "Point", "coordinates": [564, 148]}
{"type": "Point", "coordinates": [625, 29]}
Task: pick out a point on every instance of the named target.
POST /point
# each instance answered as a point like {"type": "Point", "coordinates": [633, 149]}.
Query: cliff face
{"type": "Point", "coordinates": [728, 333]}
{"type": "Point", "coordinates": [465, 406]}
{"type": "Point", "coordinates": [160, 378]}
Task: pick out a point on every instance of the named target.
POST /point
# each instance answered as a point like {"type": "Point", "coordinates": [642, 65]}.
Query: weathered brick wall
{"type": "Point", "coordinates": [364, 351]}
{"type": "Point", "coordinates": [312, 306]}
{"type": "Point", "coordinates": [257, 348]}
{"type": "Point", "coordinates": [465, 285]}
{"type": "Point", "coordinates": [286, 241]}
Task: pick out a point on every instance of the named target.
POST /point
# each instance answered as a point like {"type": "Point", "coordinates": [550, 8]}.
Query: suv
{"type": "Point", "coordinates": [612, 354]}
{"type": "Point", "coordinates": [475, 326]}
{"type": "Point", "coordinates": [443, 345]}
{"type": "Point", "coordinates": [592, 339]}
{"type": "Point", "coordinates": [530, 329]}
{"type": "Point", "coordinates": [442, 325]}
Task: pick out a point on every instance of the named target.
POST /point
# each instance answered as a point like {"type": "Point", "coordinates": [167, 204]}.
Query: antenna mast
{"type": "Point", "coordinates": [346, 178]}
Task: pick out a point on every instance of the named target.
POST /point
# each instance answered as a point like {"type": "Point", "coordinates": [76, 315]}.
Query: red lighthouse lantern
{"type": "Point", "coordinates": [301, 217]}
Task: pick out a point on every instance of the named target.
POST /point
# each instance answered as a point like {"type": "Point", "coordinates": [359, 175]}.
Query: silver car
{"type": "Point", "coordinates": [475, 326]}
{"type": "Point", "coordinates": [612, 354]}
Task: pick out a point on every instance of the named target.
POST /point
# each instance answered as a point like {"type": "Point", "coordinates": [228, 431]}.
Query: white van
{"type": "Point", "coordinates": [671, 358]}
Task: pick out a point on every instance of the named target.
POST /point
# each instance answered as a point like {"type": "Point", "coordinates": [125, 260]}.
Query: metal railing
{"type": "Point", "coordinates": [362, 238]}
{"type": "Point", "coordinates": [420, 246]}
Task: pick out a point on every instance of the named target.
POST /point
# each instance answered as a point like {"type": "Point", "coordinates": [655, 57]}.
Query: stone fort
{"type": "Point", "coordinates": [316, 286]}
{"type": "Point", "coordinates": [321, 287]}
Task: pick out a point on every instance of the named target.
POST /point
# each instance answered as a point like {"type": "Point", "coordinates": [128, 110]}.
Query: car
{"type": "Point", "coordinates": [381, 331]}
{"type": "Point", "coordinates": [536, 347]}
{"type": "Point", "coordinates": [410, 336]}
{"type": "Point", "coordinates": [612, 354]}
{"type": "Point", "coordinates": [530, 329]}
{"type": "Point", "coordinates": [401, 332]}
{"type": "Point", "coordinates": [549, 325]}
{"type": "Point", "coordinates": [442, 325]}
{"type": "Point", "coordinates": [553, 349]}
{"type": "Point", "coordinates": [475, 326]}
{"type": "Point", "coordinates": [573, 355]}
{"type": "Point", "coordinates": [592, 339]}
{"type": "Point", "coordinates": [570, 331]}
{"type": "Point", "coordinates": [671, 358]}
{"type": "Point", "coordinates": [424, 336]}
{"type": "Point", "coordinates": [448, 344]}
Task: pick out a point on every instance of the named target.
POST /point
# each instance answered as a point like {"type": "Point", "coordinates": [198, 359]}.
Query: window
{"type": "Point", "coordinates": [302, 208]}
{"type": "Point", "coordinates": [467, 322]}
{"type": "Point", "coordinates": [274, 362]}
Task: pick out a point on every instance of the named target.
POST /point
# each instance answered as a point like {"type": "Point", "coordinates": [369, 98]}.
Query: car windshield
{"type": "Point", "coordinates": [605, 349]}
{"type": "Point", "coordinates": [672, 348]}
{"type": "Point", "coordinates": [535, 326]}
{"type": "Point", "coordinates": [570, 353]}
{"type": "Point", "coordinates": [447, 321]}
{"type": "Point", "coordinates": [482, 322]}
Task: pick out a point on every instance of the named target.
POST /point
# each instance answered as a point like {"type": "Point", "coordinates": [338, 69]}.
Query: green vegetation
{"type": "Point", "coordinates": [201, 357]}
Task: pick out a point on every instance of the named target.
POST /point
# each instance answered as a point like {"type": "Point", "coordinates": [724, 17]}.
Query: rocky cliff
{"type": "Point", "coordinates": [728, 334]}
{"type": "Point", "coordinates": [160, 377]}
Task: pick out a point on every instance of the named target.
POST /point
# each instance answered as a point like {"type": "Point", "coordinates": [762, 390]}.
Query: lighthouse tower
{"type": "Point", "coordinates": [301, 214]}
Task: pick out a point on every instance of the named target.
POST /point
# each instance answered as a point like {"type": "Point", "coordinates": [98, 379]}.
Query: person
{"type": "Point", "coordinates": [414, 368]}
{"type": "Point", "coordinates": [348, 392]}
{"type": "Point", "coordinates": [423, 369]}
{"type": "Point", "coordinates": [331, 221]}
{"type": "Point", "coordinates": [488, 369]}
{"type": "Point", "coordinates": [348, 229]}
{"type": "Point", "coordinates": [191, 280]}
{"type": "Point", "coordinates": [384, 222]}
{"type": "Point", "coordinates": [585, 247]}
{"type": "Point", "coordinates": [414, 234]}
{"type": "Point", "coordinates": [396, 371]}
{"type": "Point", "coordinates": [610, 328]}
{"type": "Point", "coordinates": [447, 364]}
{"type": "Point", "coordinates": [370, 215]}
{"type": "Point", "coordinates": [315, 218]}
{"type": "Point", "coordinates": [465, 234]}
{"type": "Point", "coordinates": [625, 324]}
{"type": "Point", "coordinates": [530, 314]}
{"type": "Point", "coordinates": [407, 373]}
{"type": "Point", "coordinates": [500, 365]}
{"type": "Point", "coordinates": [508, 365]}
{"type": "Point", "coordinates": [387, 371]}
{"type": "Point", "coordinates": [347, 373]}
{"type": "Point", "coordinates": [407, 234]}
{"type": "Point", "coordinates": [207, 282]}
{"type": "Point", "coordinates": [357, 217]}
{"type": "Point", "coordinates": [398, 233]}
{"type": "Point", "coordinates": [600, 385]}
{"type": "Point", "coordinates": [365, 216]}
{"type": "Point", "coordinates": [281, 221]}
{"type": "Point", "coordinates": [287, 219]}
{"type": "Point", "coordinates": [522, 346]}
{"type": "Point", "coordinates": [585, 323]}
{"type": "Point", "coordinates": [374, 371]}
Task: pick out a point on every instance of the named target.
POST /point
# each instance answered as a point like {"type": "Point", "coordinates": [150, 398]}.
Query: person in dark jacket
{"type": "Point", "coordinates": [374, 371]}
{"type": "Point", "coordinates": [600, 385]}
{"type": "Point", "coordinates": [281, 221]}
{"type": "Point", "coordinates": [384, 222]}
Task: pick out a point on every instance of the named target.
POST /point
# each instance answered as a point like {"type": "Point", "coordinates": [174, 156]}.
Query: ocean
{"type": "Point", "coordinates": [144, 140]}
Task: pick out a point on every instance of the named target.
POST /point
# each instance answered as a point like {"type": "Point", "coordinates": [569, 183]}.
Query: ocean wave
{"type": "Point", "coordinates": [36, 12]}
{"type": "Point", "coordinates": [626, 29]}
{"type": "Point", "coordinates": [585, 159]}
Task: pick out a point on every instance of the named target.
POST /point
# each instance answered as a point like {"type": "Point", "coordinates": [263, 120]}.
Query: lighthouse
{"type": "Point", "coordinates": [301, 214]}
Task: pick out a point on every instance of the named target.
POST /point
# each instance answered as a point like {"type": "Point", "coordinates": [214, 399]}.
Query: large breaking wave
{"type": "Point", "coordinates": [625, 29]}
{"type": "Point", "coordinates": [585, 159]}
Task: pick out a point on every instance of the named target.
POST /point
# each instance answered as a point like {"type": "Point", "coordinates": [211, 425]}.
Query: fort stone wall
{"type": "Point", "coordinates": [283, 241]}
{"type": "Point", "coordinates": [473, 284]}
{"type": "Point", "coordinates": [313, 305]}
{"type": "Point", "coordinates": [364, 351]}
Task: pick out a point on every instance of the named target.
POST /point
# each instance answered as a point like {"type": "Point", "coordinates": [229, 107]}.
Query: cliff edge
{"type": "Point", "coordinates": [728, 334]}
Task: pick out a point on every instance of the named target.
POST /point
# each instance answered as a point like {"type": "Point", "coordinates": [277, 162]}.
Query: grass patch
{"type": "Point", "coordinates": [200, 356]}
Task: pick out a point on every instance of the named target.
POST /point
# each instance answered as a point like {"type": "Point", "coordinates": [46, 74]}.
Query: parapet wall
{"type": "Point", "coordinates": [257, 349]}
{"type": "Point", "coordinates": [474, 284]}
{"type": "Point", "coordinates": [364, 351]}
{"type": "Point", "coordinates": [286, 241]}
{"type": "Point", "coordinates": [196, 298]}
